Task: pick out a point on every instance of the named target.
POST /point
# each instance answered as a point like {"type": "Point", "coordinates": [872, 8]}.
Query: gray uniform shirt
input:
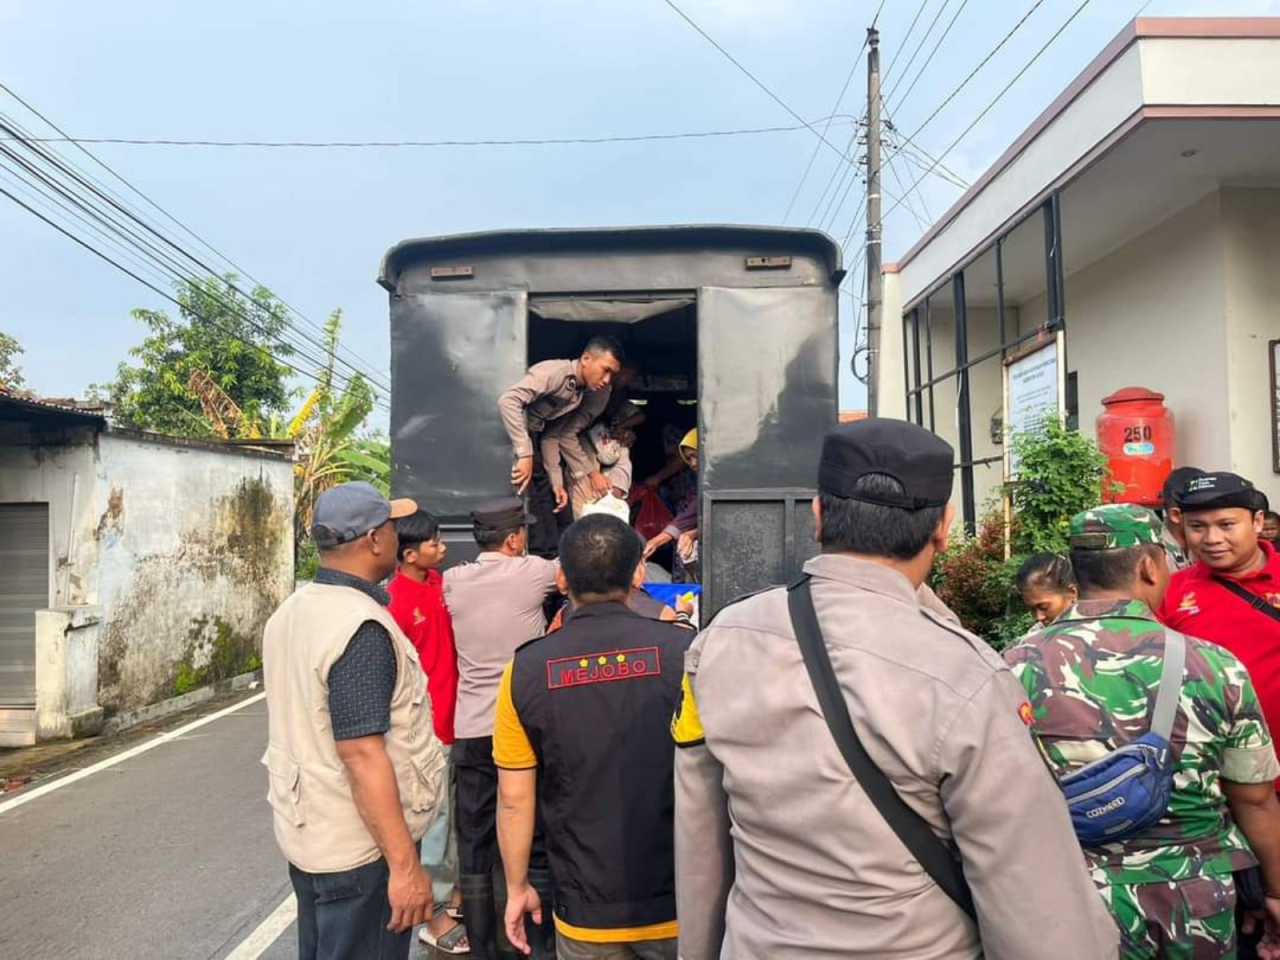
{"type": "Point", "coordinates": [496, 605]}
{"type": "Point", "coordinates": [779, 853]}
{"type": "Point", "coordinates": [549, 397]}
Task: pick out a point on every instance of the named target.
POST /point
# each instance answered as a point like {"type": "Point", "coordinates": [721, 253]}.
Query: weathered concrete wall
{"type": "Point", "coordinates": [67, 673]}
{"type": "Point", "coordinates": [195, 550]}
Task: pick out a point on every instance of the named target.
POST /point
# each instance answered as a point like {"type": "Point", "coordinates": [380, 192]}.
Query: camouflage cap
{"type": "Point", "coordinates": [1114, 527]}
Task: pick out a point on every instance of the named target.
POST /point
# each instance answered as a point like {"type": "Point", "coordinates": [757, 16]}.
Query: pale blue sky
{"type": "Point", "coordinates": [313, 224]}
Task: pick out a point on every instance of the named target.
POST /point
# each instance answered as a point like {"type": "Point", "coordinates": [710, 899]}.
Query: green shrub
{"type": "Point", "coordinates": [1060, 473]}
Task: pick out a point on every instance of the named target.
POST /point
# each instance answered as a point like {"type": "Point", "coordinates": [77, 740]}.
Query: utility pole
{"type": "Point", "coordinates": [875, 281]}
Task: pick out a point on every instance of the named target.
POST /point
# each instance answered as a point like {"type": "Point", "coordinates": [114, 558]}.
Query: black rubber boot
{"type": "Point", "coordinates": [542, 936]}
{"type": "Point", "coordinates": [482, 921]}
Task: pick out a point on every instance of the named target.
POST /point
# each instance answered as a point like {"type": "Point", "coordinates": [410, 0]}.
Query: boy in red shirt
{"type": "Point", "coordinates": [417, 604]}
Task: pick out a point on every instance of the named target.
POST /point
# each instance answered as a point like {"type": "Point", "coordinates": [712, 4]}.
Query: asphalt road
{"type": "Point", "coordinates": [166, 855]}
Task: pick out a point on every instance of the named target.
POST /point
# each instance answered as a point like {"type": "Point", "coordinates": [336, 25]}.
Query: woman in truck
{"type": "Point", "coordinates": [684, 528]}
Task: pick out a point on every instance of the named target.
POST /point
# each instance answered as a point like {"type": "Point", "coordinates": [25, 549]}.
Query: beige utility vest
{"type": "Point", "coordinates": [316, 821]}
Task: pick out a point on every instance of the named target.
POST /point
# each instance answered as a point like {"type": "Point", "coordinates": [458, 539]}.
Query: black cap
{"type": "Point", "coordinates": [1177, 481]}
{"type": "Point", "coordinates": [1217, 491]}
{"type": "Point", "coordinates": [922, 462]}
{"type": "Point", "coordinates": [501, 516]}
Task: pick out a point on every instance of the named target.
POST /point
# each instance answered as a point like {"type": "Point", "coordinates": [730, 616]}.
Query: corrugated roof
{"type": "Point", "coordinates": [44, 408]}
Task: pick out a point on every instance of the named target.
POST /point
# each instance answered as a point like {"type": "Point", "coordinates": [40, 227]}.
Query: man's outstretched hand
{"type": "Point", "coordinates": [522, 474]}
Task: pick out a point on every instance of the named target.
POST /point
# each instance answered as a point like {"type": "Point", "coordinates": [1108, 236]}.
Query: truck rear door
{"type": "Point", "coordinates": [452, 357]}
{"type": "Point", "coordinates": [767, 361]}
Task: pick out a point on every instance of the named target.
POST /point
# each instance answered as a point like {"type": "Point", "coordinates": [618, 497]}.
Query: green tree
{"type": "Point", "coordinates": [233, 338]}
{"type": "Point", "coordinates": [329, 447]}
{"type": "Point", "coordinates": [10, 372]}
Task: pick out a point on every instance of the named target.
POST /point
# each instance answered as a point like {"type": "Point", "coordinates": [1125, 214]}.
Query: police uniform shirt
{"type": "Point", "coordinates": [810, 866]}
{"type": "Point", "coordinates": [590, 706]}
{"type": "Point", "coordinates": [550, 392]}
{"type": "Point", "coordinates": [497, 605]}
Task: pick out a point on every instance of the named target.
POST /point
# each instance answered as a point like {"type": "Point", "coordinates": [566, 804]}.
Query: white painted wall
{"type": "Point", "coordinates": [1111, 99]}
{"type": "Point", "coordinates": [890, 372]}
{"type": "Point", "coordinates": [1211, 71]}
{"type": "Point", "coordinates": [1151, 315]}
{"type": "Point", "coordinates": [1251, 238]}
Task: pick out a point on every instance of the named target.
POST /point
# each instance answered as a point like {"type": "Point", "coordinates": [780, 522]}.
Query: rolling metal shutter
{"type": "Point", "coordinates": [24, 589]}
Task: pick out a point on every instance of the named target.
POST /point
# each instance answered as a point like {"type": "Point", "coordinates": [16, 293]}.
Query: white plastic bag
{"type": "Point", "coordinates": [611, 506]}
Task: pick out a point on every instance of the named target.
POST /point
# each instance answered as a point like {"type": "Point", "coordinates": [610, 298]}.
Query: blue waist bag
{"type": "Point", "coordinates": [1128, 790]}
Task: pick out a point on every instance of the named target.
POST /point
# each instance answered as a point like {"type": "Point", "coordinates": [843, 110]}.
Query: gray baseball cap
{"type": "Point", "coordinates": [350, 510]}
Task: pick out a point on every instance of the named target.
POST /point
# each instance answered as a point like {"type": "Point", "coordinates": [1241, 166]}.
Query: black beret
{"type": "Point", "coordinates": [923, 463]}
{"type": "Point", "coordinates": [501, 516]}
{"type": "Point", "coordinates": [1217, 491]}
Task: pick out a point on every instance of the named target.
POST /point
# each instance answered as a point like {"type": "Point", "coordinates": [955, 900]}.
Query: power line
{"type": "Point", "coordinates": [86, 204]}
{"type": "Point", "coordinates": [999, 96]}
{"type": "Point", "coordinates": [922, 158]}
{"type": "Point", "coordinates": [166, 260]}
{"type": "Point", "coordinates": [146, 283]}
{"type": "Point", "coordinates": [925, 164]}
{"type": "Point", "coordinates": [96, 188]}
{"type": "Point", "coordinates": [754, 79]}
{"type": "Point", "coordinates": [929, 59]}
{"type": "Point", "coordinates": [817, 146]}
{"type": "Point", "coordinates": [927, 220]}
{"type": "Point", "coordinates": [369, 369]}
{"type": "Point", "coordinates": [853, 70]}
{"type": "Point", "coordinates": [426, 144]}
{"type": "Point", "coordinates": [973, 73]}
{"type": "Point", "coordinates": [919, 46]}
{"type": "Point", "coordinates": [905, 38]}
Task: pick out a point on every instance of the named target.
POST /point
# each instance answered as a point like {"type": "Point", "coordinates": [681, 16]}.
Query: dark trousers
{"type": "Point", "coordinates": [544, 536]}
{"type": "Point", "coordinates": [476, 816]}
{"type": "Point", "coordinates": [344, 916]}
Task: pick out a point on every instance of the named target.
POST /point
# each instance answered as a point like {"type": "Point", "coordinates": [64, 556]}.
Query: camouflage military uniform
{"type": "Point", "coordinates": [1091, 679]}
{"type": "Point", "coordinates": [1173, 551]}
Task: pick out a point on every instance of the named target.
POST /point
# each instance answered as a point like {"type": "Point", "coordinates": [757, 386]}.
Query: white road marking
{"type": "Point", "coordinates": [36, 793]}
{"type": "Point", "coordinates": [256, 944]}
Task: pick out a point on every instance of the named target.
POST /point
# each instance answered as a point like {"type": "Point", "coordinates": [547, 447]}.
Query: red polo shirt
{"type": "Point", "coordinates": [420, 610]}
{"type": "Point", "coordinates": [1197, 604]}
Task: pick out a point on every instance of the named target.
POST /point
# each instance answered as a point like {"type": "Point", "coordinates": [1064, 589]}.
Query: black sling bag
{"type": "Point", "coordinates": [916, 835]}
{"type": "Point", "coordinates": [1252, 599]}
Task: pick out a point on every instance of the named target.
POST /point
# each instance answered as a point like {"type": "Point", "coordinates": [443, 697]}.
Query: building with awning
{"type": "Point", "coordinates": [1136, 225]}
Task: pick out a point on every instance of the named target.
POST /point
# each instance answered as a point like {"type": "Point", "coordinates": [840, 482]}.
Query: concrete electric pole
{"type": "Point", "coordinates": [875, 281]}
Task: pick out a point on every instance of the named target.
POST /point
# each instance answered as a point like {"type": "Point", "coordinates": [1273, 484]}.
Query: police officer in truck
{"type": "Point", "coordinates": [564, 397]}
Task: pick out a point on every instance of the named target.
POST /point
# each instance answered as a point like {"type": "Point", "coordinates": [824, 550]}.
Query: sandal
{"type": "Point", "coordinates": [449, 942]}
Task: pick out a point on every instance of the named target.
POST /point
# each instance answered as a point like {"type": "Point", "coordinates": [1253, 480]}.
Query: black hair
{"type": "Point", "coordinates": [1048, 571]}
{"type": "Point", "coordinates": [415, 530]}
{"type": "Point", "coordinates": [599, 555]}
{"type": "Point", "coordinates": [603, 343]}
{"type": "Point", "coordinates": [487, 539]}
{"type": "Point", "coordinates": [1271, 515]}
{"type": "Point", "coordinates": [1110, 569]}
{"type": "Point", "coordinates": [872, 529]}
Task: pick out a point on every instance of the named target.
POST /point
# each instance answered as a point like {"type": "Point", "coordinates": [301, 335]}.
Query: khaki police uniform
{"type": "Point", "coordinates": [497, 605]}
{"type": "Point", "coordinates": [779, 852]}
{"type": "Point", "coordinates": [550, 400]}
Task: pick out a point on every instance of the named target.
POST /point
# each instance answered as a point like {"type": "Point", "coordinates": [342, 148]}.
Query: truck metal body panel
{"type": "Point", "coordinates": [764, 304]}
